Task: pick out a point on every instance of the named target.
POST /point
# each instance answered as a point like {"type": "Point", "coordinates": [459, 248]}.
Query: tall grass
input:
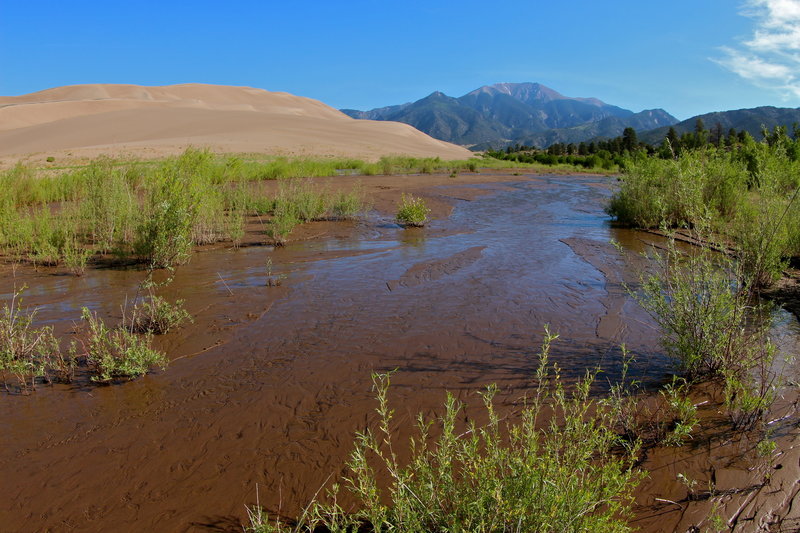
{"type": "Point", "coordinates": [155, 212]}
{"type": "Point", "coordinates": [300, 201]}
{"type": "Point", "coordinates": [24, 185]}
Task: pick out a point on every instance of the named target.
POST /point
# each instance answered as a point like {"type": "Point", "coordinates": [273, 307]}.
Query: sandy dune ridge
{"type": "Point", "coordinates": [138, 121]}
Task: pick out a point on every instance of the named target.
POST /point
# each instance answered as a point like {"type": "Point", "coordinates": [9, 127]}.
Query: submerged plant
{"type": "Point", "coordinates": [273, 280]}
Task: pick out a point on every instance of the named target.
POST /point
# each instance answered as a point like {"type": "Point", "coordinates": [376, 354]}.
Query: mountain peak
{"type": "Point", "coordinates": [503, 112]}
{"type": "Point", "coordinates": [529, 92]}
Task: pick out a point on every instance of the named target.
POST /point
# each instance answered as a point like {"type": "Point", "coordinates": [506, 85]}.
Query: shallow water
{"type": "Point", "coordinates": [268, 386]}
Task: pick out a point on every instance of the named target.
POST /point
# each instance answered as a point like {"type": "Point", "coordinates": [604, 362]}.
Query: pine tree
{"type": "Point", "coordinates": [629, 140]}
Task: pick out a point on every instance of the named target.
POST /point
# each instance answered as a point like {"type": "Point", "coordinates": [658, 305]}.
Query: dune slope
{"type": "Point", "coordinates": [131, 120]}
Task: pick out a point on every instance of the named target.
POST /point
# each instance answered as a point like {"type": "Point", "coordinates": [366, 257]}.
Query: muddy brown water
{"type": "Point", "coordinates": [269, 384]}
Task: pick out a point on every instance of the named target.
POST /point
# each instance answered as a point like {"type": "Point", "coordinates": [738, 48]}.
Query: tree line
{"type": "Point", "coordinates": [611, 154]}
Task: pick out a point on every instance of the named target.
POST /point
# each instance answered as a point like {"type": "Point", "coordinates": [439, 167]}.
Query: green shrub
{"type": "Point", "coordinates": [762, 240]}
{"type": "Point", "coordinates": [299, 201]}
{"type": "Point", "coordinates": [117, 353]}
{"type": "Point", "coordinates": [281, 225]}
{"type": "Point", "coordinates": [657, 192]}
{"type": "Point", "coordinates": [748, 398]}
{"type": "Point", "coordinates": [504, 476]}
{"type": "Point", "coordinates": [164, 238]}
{"type": "Point", "coordinates": [110, 209]}
{"type": "Point", "coordinates": [26, 353]}
{"type": "Point", "coordinates": [681, 413]}
{"type": "Point", "coordinates": [705, 312]}
{"type": "Point", "coordinates": [386, 166]}
{"type": "Point", "coordinates": [75, 256]}
{"type": "Point", "coordinates": [236, 205]}
{"type": "Point", "coordinates": [260, 205]}
{"type": "Point", "coordinates": [667, 419]}
{"type": "Point", "coordinates": [307, 203]}
{"type": "Point", "coordinates": [747, 195]}
{"type": "Point", "coordinates": [714, 328]}
{"type": "Point", "coordinates": [157, 316]}
{"type": "Point", "coordinates": [347, 205]}
{"type": "Point", "coordinates": [412, 211]}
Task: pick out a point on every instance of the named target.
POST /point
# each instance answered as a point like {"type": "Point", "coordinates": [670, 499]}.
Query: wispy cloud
{"type": "Point", "coordinates": [770, 58]}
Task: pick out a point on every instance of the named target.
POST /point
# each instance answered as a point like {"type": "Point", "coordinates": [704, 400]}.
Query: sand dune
{"type": "Point", "coordinates": [132, 120]}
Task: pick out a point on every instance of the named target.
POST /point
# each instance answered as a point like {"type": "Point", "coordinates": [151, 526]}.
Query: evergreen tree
{"type": "Point", "coordinates": [744, 136]}
{"type": "Point", "coordinates": [629, 140]}
{"type": "Point", "coordinates": [700, 133]}
{"type": "Point", "coordinates": [699, 127]}
{"type": "Point", "coordinates": [674, 141]}
{"type": "Point", "coordinates": [732, 138]}
{"type": "Point", "coordinates": [716, 135]}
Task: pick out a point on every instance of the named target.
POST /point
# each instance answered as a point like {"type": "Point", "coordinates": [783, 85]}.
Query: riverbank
{"type": "Point", "coordinates": [269, 385]}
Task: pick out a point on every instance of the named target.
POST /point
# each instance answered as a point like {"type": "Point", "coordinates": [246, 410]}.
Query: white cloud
{"type": "Point", "coordinates": [771, 57]}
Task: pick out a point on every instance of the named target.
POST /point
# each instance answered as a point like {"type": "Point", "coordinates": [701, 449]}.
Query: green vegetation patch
{"type": "Point", "coordinates": [743, 191]}
{"type": "Point", "coordinates": [154, 212]}
{"type": "Point", "coordinates": [565, 472]}
{"type": "Point", "coordinates": [412, 211]}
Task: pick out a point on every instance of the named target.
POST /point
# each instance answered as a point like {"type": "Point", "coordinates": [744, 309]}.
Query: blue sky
{"type": "Point", "coordinates": [688, 57]}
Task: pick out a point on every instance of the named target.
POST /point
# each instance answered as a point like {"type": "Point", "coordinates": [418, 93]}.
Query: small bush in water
{"type": "Point", "coordinates": [117, 353]}
{"type": "Point", "coordinates": [25, 352]}
{"type": "Point", "coordinates": [158, 316]}
{"type": "Point", "coordinates": [412, 211]}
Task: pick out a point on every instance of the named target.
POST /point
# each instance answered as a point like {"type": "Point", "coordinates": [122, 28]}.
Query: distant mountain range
{"type": "Point", "coordinates": [751, 120]}
{"type": "Point", "coordinates": [497, 115]}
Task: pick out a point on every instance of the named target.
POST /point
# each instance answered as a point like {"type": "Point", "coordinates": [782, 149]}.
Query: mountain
{"type": "Point", "coordinates": [375, 114]}
{"type": "Point", "coordinates": [90, 120]}
{"type": "Point", "coordinates": [509, 113]}
{"type": "Point", "coordinates": [751, 120]}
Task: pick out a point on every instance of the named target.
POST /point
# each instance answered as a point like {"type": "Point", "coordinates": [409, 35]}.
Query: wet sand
{"type": "Point", "coordinates": [268, 386]}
